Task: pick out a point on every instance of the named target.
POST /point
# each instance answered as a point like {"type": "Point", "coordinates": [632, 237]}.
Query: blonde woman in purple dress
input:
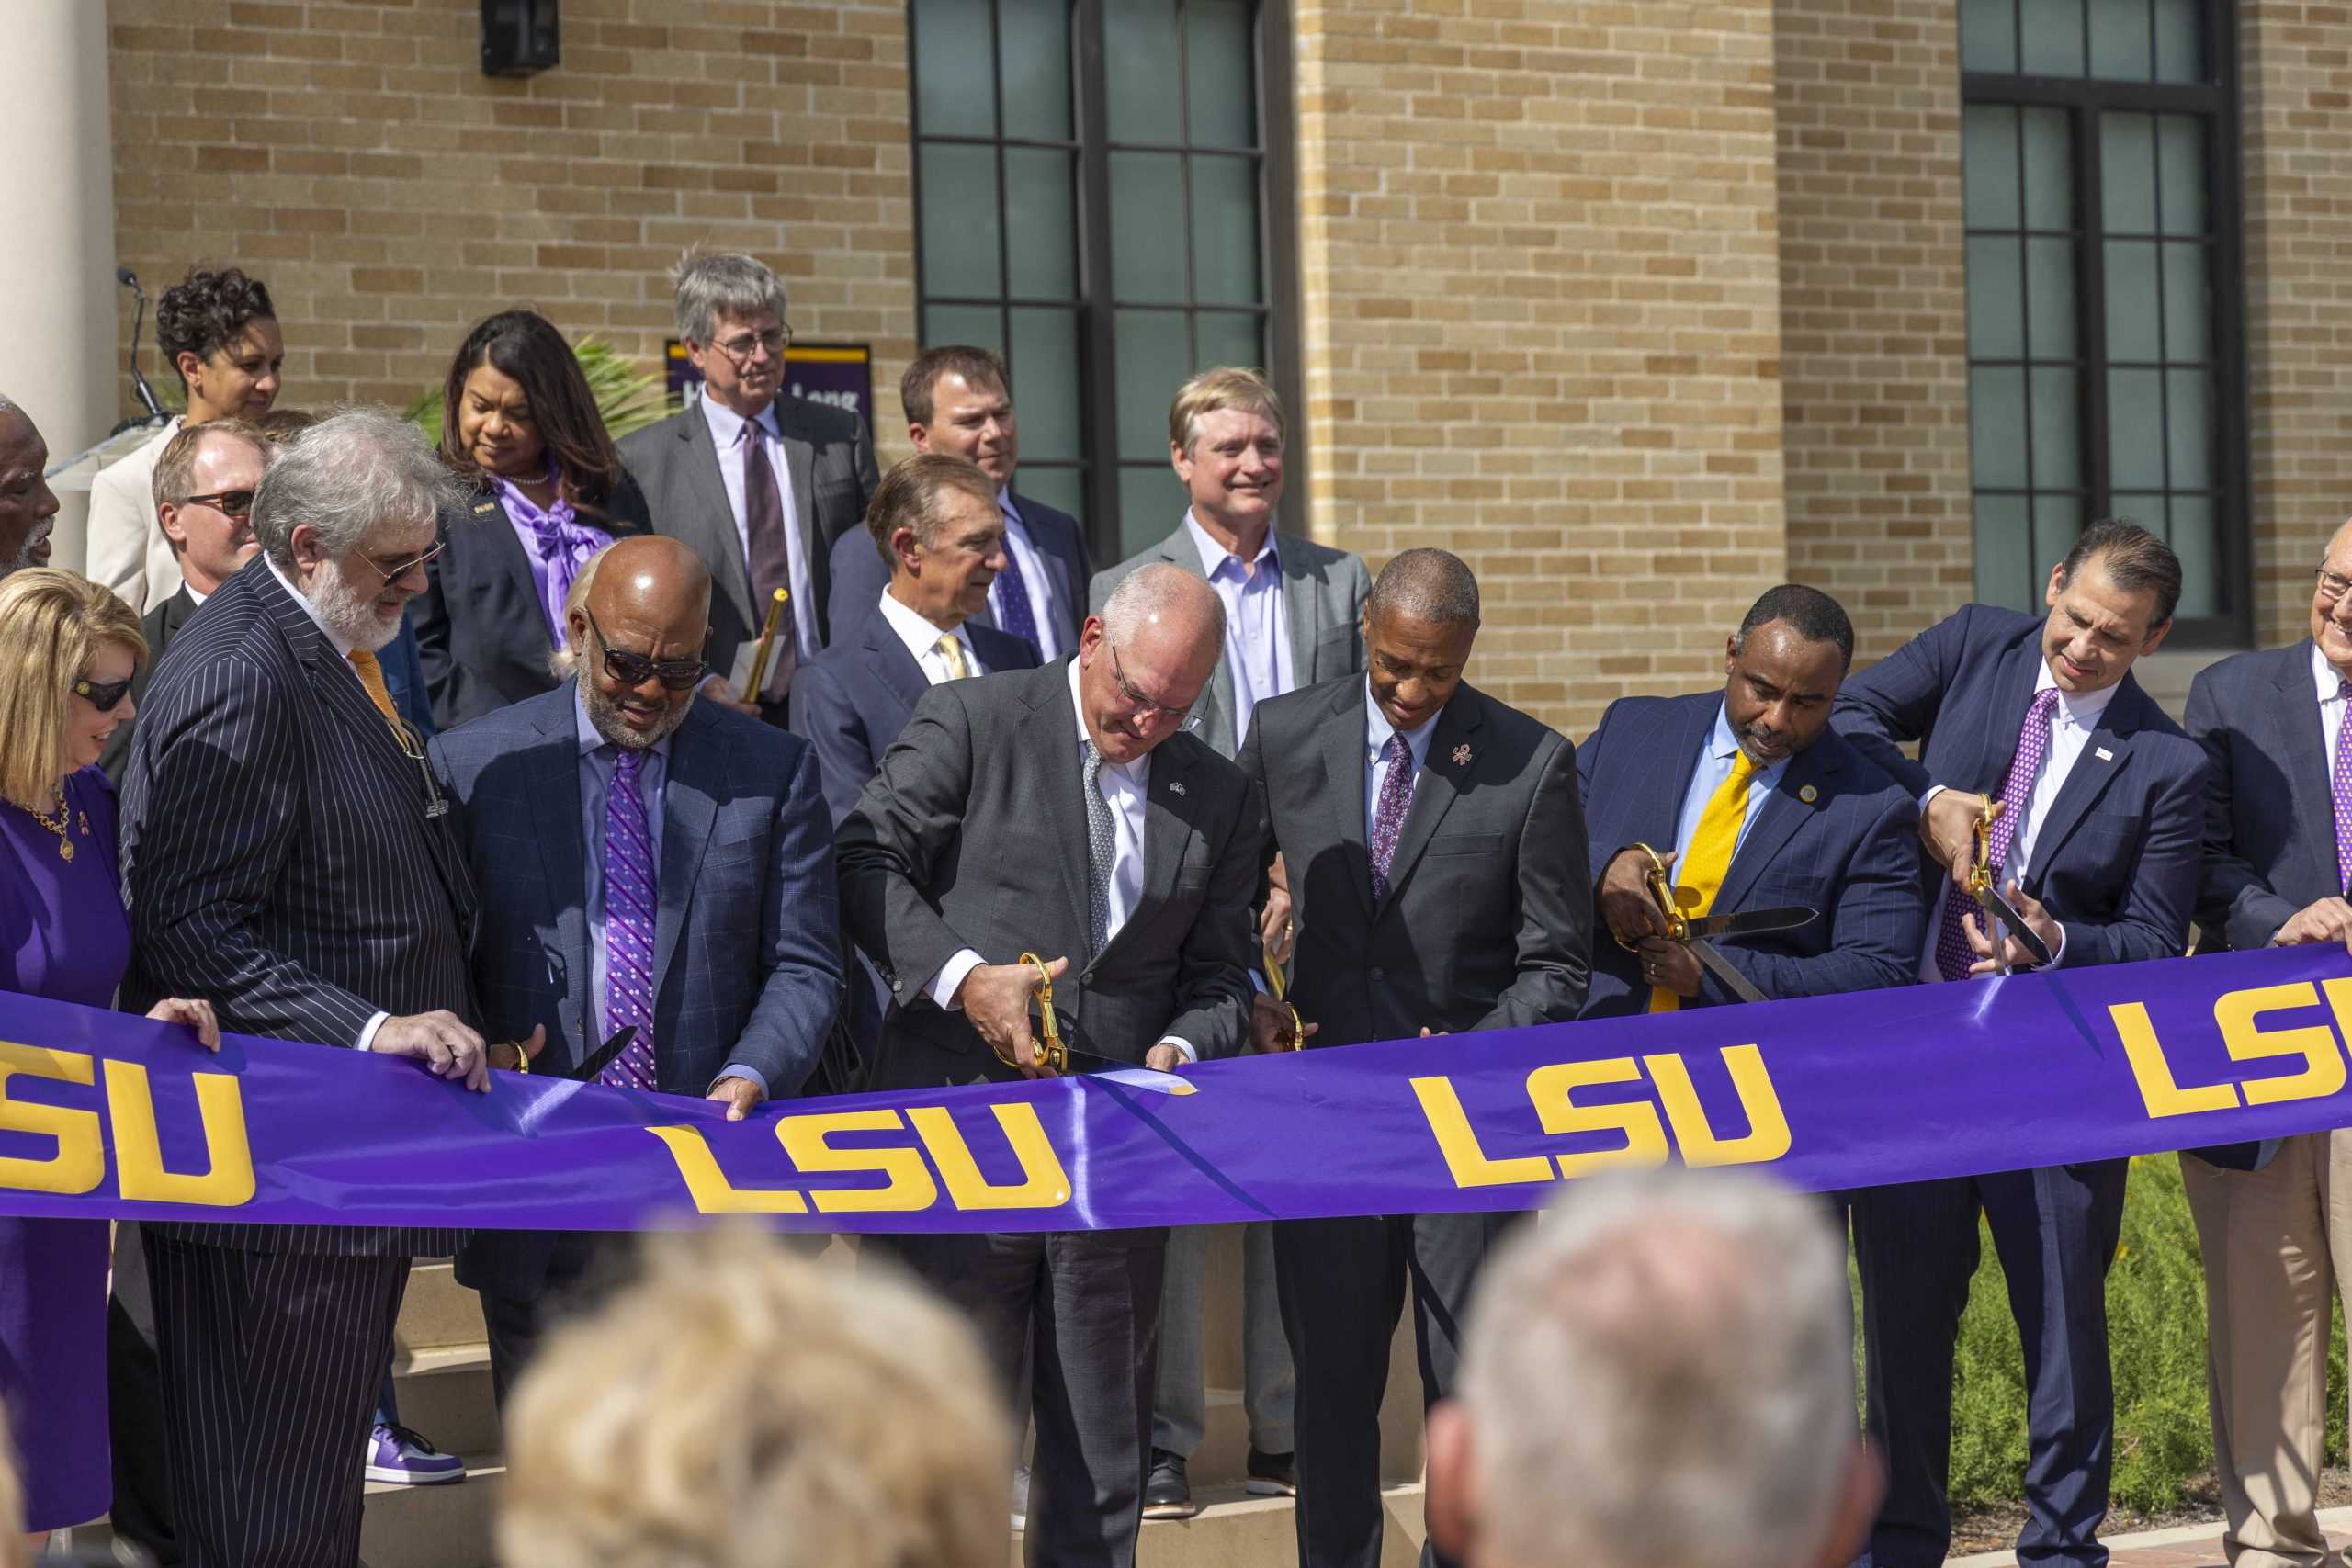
{"type": "Point", "coordinates": [68, 649]}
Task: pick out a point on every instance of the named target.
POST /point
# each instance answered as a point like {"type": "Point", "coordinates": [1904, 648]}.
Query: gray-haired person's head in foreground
{"type": "Point", "coordinates": [743, 1406]}
{"type": "Point", "coordinates": [1661, 1371]}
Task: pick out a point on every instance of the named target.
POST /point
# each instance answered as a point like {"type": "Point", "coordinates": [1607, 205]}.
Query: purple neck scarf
{"type": "Point", "coordinates": [558, 542]}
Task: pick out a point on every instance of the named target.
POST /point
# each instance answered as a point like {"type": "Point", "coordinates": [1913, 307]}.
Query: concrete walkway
{"type": "Point", "coordinates": [2183, 1545]}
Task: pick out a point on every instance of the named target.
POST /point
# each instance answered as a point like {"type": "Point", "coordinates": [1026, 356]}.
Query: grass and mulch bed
{"type": "Point", "coordinates": [2163, 1450]}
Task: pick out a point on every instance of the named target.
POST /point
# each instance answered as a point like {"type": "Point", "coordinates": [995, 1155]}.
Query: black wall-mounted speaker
{"type": "Point", "coordinates": [519, 37]}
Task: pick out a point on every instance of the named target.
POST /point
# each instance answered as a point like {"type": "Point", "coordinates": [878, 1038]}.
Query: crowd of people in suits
{"type": "Point", "coordinates": [714, 762]}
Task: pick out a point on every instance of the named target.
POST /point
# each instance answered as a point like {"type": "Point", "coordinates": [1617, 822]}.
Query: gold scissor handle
{"type": "Point", "coordinates": [1278, 983]}
{"type": "Point", "coordinates": [1052, 1054]}
{"type": "Point", "coordinates": [1980, 876]}
{"type": "Point", "coordinates": [1661, 888]}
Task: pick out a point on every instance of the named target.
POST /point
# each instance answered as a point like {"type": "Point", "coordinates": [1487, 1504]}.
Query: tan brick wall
{"type": "Point", "coordinates": [1873, 309]}
{"type": "Point", "coordinates": [1541, 321]}
{"type": "Point", "coordinates": [2297, 163]}
{"type": "Point", "coordinates": [353, 155]}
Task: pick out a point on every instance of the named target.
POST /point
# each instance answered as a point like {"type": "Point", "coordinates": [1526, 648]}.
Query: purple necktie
{"type": "Point", "coordinates": [628, 925]}
{"type": "Point", "coordinates": [1012, 612]}
{"type": "Point", "coordinates": [769, 557]}
{"type": "Point", "coordinates": [2342, 789]}
{"type": "Point", "coordinates": [1396, 798]}
{"type": "Point", "coordinates": [1953, 956]}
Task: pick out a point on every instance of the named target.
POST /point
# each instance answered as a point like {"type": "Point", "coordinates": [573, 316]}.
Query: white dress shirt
{"type": "Point", "coordinates": [2331, 707]}
{"type": "Point", "coordinates": [1257, 632]}
{"type": "Point", "coordinates": [727, 436]}
{"type": "Point", "coordinates": [923, 640]}
{"type": "Point", "coordinates": [1122, 786]}
{"type": "Point", "coordinates": [1036, 585]}
{"type": "Point", "coordinates": [2071, 724]}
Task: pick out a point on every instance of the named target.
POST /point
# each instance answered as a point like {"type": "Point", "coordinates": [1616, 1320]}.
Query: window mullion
{"type": "Point", "coordinates": [1098, 357]}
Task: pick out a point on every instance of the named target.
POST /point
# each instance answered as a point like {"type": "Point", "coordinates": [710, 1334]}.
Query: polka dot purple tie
{"type": "Point", "coordinates": [1388, 820]}
{"type": "Point", "coordinates": [628, 925]}
{"type": "Point", "coordinates": [1953, 956]}
{"type": "Point", "coordinates": [2342, 787]}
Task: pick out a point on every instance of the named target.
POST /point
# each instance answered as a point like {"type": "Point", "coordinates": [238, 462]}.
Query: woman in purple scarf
{"type": "Point", "coordinates": [517, 419]}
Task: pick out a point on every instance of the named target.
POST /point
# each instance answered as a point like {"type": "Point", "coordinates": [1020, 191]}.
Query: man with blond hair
{"type": "Point", "coordinates": [745, 1407]}
{"type": "Point", "coordinates": [1660, 1372]}
{"type": "Point", "coordinates": [1294, 612]}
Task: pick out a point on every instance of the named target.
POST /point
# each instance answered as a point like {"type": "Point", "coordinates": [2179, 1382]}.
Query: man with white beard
{"type": "Point", "coordinates": [28, 508]}
{"type": "Point", "coordinates": [289, 858]}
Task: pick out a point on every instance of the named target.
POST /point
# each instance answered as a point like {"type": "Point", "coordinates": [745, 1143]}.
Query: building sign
{"type": "Point", "coordinates": [840, 373]}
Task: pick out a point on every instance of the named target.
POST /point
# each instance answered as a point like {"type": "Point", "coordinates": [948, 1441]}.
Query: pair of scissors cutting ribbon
{"type": "Point", "coordinates": [1054, 1053]}
{"type": "Point", "coordinates": [1278, 986]}
{"type": "Point", "coordinates": [1695, 931]}
{"type": "Point", "coordinates": [1985, 887]}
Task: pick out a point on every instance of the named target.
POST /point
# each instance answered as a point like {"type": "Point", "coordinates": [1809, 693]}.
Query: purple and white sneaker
{"type": "Point", "coordinates": [398, 1457]}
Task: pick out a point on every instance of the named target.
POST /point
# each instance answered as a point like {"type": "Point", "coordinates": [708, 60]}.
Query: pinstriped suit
{"type": "Point", "coordinates": [1848, 849]}
{"type": "Point", "coordinates": [278, 862]}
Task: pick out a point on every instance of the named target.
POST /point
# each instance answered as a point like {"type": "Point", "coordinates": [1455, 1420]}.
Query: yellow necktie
{"type": "Point", "coordinates": [953, 651]}
{"type": "Point", "coordinates": [371, 676]}
{"type": "Point", "coordinates": [1698, 874]}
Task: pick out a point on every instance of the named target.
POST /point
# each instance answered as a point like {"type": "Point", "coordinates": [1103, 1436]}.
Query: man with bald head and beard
{"type": "Point", "coordinates": [646, 861]}
{"type": "Point", "coordinates": [1066, 812]}
{"type": "Point", "coordinates": [28, 506]}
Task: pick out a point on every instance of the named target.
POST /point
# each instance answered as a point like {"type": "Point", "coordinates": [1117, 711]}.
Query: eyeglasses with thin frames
{"type": "Point", "coordinates": [743, 345]}
{"type": "Point", "coordinates": [1151, 712]}
{"type": "Point", "coordinates": [392, 574]}
{"type": "Point", "coordinates": [2332, 588]}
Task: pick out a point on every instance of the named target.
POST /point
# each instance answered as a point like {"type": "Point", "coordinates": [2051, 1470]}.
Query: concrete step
{"type": "Point", "coordinates": [437, 1310]}
{"type": "Point", "coordinates": [445, 1394]}
{"type": "Point", "coordinates": [1236, 1531]}
{"type": "Point", "coordinates": [448, 1525]}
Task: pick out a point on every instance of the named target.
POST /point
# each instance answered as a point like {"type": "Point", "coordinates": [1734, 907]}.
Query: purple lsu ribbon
{"type": "Point", "coordinates": [103, 1116]}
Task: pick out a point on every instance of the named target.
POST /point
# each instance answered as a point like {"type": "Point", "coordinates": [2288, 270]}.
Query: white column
{"type": "Point", "coordinates": [58, 355]}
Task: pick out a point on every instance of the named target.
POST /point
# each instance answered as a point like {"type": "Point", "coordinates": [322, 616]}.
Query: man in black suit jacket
{"type": "Point", "coordinates": [2278, 854]}
{"type": "Point", "coordinates": [285, 857]}
{"type": "Point", "coordinates": [2098, 845]}
{"type": "Point", "coordinates": [1438, 887]}
{"type": "Point", "coordinates": [958, 401]}
{"type": "Point", "coordinates": [745, 975]}
{"type": "Point", "coordinates": [761, 486]}
{"type": "Point", "coordinates": [1062, 811]}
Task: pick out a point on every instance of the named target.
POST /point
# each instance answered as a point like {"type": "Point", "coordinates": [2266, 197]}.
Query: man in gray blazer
{"type": "Point", "coordinates": [1292, 617]}
{"type": "Point", "coordinates": [760, 486]}
{"type": "Point", "coordinates": [1441, 888]}
{"type": "Point", "coordinates": [732, 976]}
{"type": "Point", "coordinates": [1062, 811]}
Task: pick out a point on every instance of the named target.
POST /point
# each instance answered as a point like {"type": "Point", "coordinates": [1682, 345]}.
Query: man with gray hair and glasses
{"type": "Point", "coordinates": [1660, 1372]}
{"type": "Point", "coordinates": [288, 857]}
{"type": "Point", "coordinates": [759, 485]}
{"type": "Point", "coordinates": [1064, 812]}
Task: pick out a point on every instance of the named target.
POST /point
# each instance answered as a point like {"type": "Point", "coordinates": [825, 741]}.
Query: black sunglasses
{"type": "Point", "coordinates": [636, 668]}
{"type": "Point", "coordinates": [105, 697]}
{"type": "Point", "coordinates": [237, 504]}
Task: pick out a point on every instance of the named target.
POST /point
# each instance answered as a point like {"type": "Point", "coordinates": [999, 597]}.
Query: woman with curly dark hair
{"type": "Point", "coordinates": [220, 331]}
{"type": "Point", "coordinates": [518, 420]}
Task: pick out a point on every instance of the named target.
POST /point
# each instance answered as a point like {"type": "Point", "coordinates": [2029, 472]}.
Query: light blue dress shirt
{"type": "Point", "coordinates": [1257, 633]}
{"type": "Point", "coordinates": [1716, 754]}
{"type": "Point", "coordinates": [1377, 730]}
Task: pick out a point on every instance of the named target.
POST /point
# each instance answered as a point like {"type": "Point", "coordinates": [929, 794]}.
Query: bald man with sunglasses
{"type": "Point", "coordinates": [646, 862]}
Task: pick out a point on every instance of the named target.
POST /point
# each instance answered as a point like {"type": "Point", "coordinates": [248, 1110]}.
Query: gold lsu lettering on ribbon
{"type": "Point", "coordinates": [907, 1180]}
{"type": "Point", "coordinates": [2238, 1014]}
{"type": "Point", "coordinates": [79, 1163]}
{"type": "Point", "coordinates": [1552, 1089]}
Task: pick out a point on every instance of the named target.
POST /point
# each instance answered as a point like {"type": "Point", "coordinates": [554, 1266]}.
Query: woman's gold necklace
{"type": "Point", "coordinates": [57, 826]}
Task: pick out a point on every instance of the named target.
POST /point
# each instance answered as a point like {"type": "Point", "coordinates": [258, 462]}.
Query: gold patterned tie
{"type": "Point", "coordinates": [953, 651]}
{"type": "Point", "coordinates": [371, 676]}
{"type": "Point", "coordinates": [1699, 875]}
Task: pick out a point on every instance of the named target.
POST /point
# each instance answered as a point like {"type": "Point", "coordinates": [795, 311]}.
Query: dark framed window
{"type": "Point", "coordinates": [1097, 199]}
{"type": "Point", "coordinates": [2106, 304]}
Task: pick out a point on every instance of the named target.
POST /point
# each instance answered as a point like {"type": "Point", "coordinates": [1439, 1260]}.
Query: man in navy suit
{"type": "Point", "coordinates": [2097, 844]}
{"type": "Point", "coordinates": [1809, 821]}
{"type": "Point", "coordinates": [646, 859]}
{"type": "Point", "coordinates": [935, 520]}
{"type": "Point", "coordinates": [2278, 853]}
{"type": "Point", "coordinates": [958, 402]}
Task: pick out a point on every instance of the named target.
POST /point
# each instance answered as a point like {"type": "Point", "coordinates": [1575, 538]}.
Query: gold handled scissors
{"type": "Point", "coordinates": [1278, 986]}
{"type": "Point", "coordinates": [1052, 1054]}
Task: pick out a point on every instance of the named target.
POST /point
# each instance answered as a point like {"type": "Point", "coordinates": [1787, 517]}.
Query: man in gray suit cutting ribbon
{"type": "Point", "coordinates": [1062, 812]}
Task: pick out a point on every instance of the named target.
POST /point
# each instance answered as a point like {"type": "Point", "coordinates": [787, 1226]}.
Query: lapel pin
{"type": "Point", "coordinates": [1176, 786]}
{"type": "Point", "coordinates": [1808, 795]}
{"type": "Point", "coordinates": [2105, 755]}
{"type": "Point", "coordinates": [1462, 756]}
{"type": "Point", "coordinates": [481, 507]}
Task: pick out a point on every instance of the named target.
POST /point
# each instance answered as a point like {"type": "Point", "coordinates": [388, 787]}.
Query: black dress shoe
{"type": "Point", "coordinates": [1167, 1494]}
{"type": "Point", "coordinates": [1272, 1476]}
